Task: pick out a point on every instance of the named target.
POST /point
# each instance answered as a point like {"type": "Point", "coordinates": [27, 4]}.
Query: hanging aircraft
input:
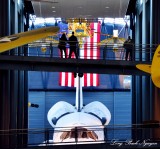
{"type": "Point", "coordinates": [82, 31]}
{"type": "Point", "coordinates": [33, 105]}
{"type": "Point", "coordinates": [16, 40]}
{"type": "Point", "coordinates": [79, 123]}
{"type": "Point", "coordinates": [113, 42]}
{"type": "Point", "coordinates": [153, 69]}
{"type": "Point", "coordinates": [44, 43]}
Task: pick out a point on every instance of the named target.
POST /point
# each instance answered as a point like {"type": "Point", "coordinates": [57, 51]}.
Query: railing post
{"type": "Point", "coordinates": [51, 49]}
{"type": "Point", "coordinates": [105, 134]}
{"type": "Point", "coordinates": [76, 134]}
{"type": "Point", "coordinates": [47, 135]}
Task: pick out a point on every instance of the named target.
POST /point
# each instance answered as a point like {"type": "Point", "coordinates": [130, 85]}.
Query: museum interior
{"type": "Point", "coordinates": [103, 98]}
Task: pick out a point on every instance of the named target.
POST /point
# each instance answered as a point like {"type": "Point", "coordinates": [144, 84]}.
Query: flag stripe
{"type": "Point", "coordinates": [89, 50]}
{"type": "Point", "coordinates": [93, 39]}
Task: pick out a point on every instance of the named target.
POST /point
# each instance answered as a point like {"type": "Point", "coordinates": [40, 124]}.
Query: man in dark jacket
{"type": "Point", "coordinates": [128, 45]}
{"type": "Point", "coordinates": [73, 42]}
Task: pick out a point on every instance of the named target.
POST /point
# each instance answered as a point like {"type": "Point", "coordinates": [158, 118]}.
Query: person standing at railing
{"type": "Point", "coordinates": [128, 45]}
{"type": "Point", "coordinates": [62, 45]}
{"type": "Point", "coordinates": [51, 49]}
{"type": "Point", "coordinates": [73, 42]}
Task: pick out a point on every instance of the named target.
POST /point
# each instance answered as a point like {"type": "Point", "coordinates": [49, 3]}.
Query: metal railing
{"type": "Point", "coordinates": [141, 52]}
{"type": "Point", "coordinates": [114, 135]}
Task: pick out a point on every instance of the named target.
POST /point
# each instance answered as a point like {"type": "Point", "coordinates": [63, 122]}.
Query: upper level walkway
{"type": "Point", "coordinates": [108, 61]}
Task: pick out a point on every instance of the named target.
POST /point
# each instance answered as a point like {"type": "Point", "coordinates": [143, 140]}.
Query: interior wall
{"type": "Point", "coordinates": [118, 103]}
{"type": "Point", "coordinates": [146, 94]}
{"type": "Point", "coordinates": [156, 40]}
{"type": "Point", "coordinates": [13, 83]}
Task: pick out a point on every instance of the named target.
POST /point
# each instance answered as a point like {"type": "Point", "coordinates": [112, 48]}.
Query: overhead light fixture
{"type": "Point", "coordinates": [106, 7]}
{"type": "Point", "coordinates": [53, 11]}
{"type": "Point", "coordinates": [115, 33]}
{"type": "Point", "coordinates": [53, 7]}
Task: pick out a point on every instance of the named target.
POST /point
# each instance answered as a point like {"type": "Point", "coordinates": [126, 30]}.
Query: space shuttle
{"type": "Point", "coordinates": [153, 69]}
{"type": "Point", "coordinates": [79, 123]}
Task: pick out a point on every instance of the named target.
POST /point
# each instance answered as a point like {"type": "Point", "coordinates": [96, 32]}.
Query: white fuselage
{"type": "Point", "coordinates": [79, 127]}
{"type": "Point", "coordinates": [79, 123]}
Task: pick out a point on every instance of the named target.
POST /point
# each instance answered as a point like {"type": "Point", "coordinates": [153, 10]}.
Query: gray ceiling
{"type": "Point", "coordinates": [80, 8]}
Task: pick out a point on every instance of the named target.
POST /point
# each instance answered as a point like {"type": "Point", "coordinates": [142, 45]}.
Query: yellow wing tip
{"type": "Point", "coordinates": [144, 67]}
{"type": "Point", "coordinates": [156, 80]}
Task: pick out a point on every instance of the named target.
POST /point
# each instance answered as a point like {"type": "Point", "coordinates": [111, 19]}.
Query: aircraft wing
{"type": "Point", "coordinates": [144, 67]}
{"type": "Point", "coordinates": [16, 40]}
{"type": "Point", "coordinates": [155, 72]}
{"type": "Point", "coordinates": [154, 68]}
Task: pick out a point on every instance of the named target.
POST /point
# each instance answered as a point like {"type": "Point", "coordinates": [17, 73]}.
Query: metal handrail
{"type": "Point", "coordinates": [119, 53]}
{"type": "Point", "coordinates": [111, 132]}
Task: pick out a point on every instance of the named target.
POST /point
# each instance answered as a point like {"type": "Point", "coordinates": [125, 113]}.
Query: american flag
{"type": "Point", "coordinates": [89, 50]}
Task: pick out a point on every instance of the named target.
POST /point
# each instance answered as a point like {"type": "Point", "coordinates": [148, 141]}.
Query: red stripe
{"type": "Point", "coordinates": [91, 79]}
{"type": "Point", "coordinates": [72, 80]}
{"type": "Point", "coordinates": [85, 57]}
{"type": "Point", "coordinates": [98, 40]}
{"type": "Point", "coordinates": [85, 50]}
{"type": "Point", "coordinates": [66, 79]}
{"type": "Point", "coordinates": [91, 41]}
{"type": "Point", "coordinates": [67, 51]}
{"type": "Point", "coordinates": [87, 46]}
{"type": "Point", "coordinates": [98, 49]}
{"type": "Point", "coordinates": [60, 78]}
{"type": "Point", "coordinates": [91, 50]}
{"type": "Point", "coordinates": [85, 79]}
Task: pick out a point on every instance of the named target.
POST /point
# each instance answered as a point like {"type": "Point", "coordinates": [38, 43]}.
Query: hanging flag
{"type": "Point", "coordinates": [89, 50]}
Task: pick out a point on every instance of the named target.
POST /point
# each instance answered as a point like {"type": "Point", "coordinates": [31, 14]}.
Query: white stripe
{"type": "Point", "coordinates": [94, 79]}
{"type": "Point", "coordinates": [83, 80]}
{"type": "Point", "coordinates": [88, 57]}
{"type": "Point", "coordinates": [63, 54]}
{"type": "Point", "coordinates": [88, 79]}
{"type": "Point", "coordinates": [95, 42]}
{"type": "Point", "coordinates": [95, 52]}
{"type": "Point", "coordinates": [88, 48]}
{"type": "Point", "coordinates": [63, 79]}
{"type": "Point", "coordinates": [81, 53]}
{"type": "Point", "coordinates": [69, 79]}
{"type": "Point", "coordinates": [75, 82]}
